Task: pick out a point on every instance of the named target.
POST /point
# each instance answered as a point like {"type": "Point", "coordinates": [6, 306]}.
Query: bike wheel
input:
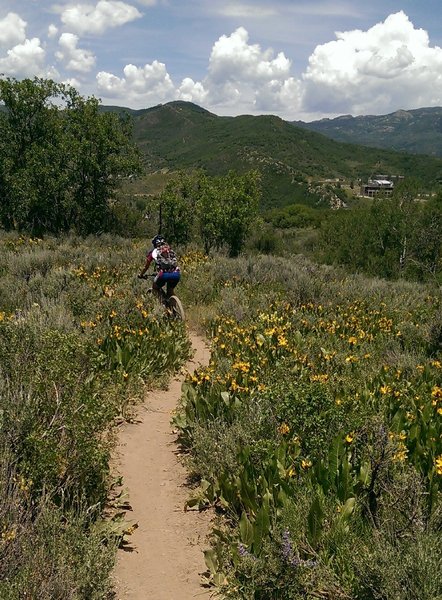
{"type": "Point", "coordinates": [176, 308]}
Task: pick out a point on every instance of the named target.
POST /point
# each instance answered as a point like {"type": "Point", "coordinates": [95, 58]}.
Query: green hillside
{"type": "Point", "coordinates": [181, 135]}
{"type": "Point", "coordinates": [416, 131]}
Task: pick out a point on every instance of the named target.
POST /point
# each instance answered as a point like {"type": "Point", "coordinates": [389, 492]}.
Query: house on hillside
{"type": "Point", "coordinates": [378, 184]}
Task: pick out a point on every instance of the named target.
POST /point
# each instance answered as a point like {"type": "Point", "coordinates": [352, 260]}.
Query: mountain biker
{"type": "Point", "coordinates": [167, 269]}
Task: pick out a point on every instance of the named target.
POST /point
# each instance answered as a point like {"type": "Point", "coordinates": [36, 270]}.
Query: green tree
{"type": "Point", "coordinates": [220, 210]}
{"type": "Point", "coordinates": [30, 139]}
{"type": "Point", "coordinates": [177, 203]}
{"type": "Point", "coordinates": [227, 209]}
{"type": "Point", "coordinates": [211, 214]}
{"type": "Point", "coordinates": [101, 154]}
{"type": "Point", "coordinates": [397, 236]}
{"type": "Point", "coordinates": [61, 160]}
{"type": "Point", "coordinates": [239, 196]}
{"type": "Point", "coordinates": [427, 240]}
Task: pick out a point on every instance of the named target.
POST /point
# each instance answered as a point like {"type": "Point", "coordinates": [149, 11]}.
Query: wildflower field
{"type": "Point", "coordinates": [79, 340]}
{"type": "Point", "coordinates": [316, 433]}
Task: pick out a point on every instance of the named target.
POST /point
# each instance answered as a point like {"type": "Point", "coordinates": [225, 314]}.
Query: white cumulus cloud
{"type": "Point", "coordinates": [12, 30]}
{"type": "Point", "coordinates": [240, 72]}
{"type": "Point", "coordinates": [52, 30]}
{"type": "Point", "coordinates": [25, 60]}
{"type": "Point", "coordinates": [192, 91]}
{"type": "Point", "coordinates": [388, 66]}
{"type": "Point", "coordinates": [241, 77]}
{"type": "Point", "coordinates": [233, 58]}
{"type": "Point", "coordinates": [96, 19]}
{"type": "Point", "coordinates": [140, 87]}
{"type": "Point", "coordinates": [74, 58]}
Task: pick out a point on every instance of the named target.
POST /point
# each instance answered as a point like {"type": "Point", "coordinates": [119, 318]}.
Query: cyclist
{"type": "Point", "coordinates": [167, 269]}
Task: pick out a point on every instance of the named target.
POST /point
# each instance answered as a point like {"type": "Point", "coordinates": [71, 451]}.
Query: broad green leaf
{"type": "Point", "coordinates": [246, 530]}
{"type": "Point", "coordinates": [211, 560]}
{"type": "Point", "coordinates": [315, 521]}
{"type": "Point", "coordinates": [348, 508]}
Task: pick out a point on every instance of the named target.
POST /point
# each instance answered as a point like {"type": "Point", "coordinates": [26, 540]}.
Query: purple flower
{"type": "Point", "coordinates": [242, 550]}
{"type": "Point", "coordinates": [289, 555]}
{"type": "Point", "coordinates": [286, 549]}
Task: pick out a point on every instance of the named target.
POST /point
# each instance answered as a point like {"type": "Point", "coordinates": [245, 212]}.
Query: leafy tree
{"type": "Point", "coordinates": [294, 216]}
{"type": "Point", "coordinates": [221, 210]}
{"type": "Point", "coordinates": [178, 203]}
{"type": "Point", "coordinates": [103, 154]}
{"type": "Point", "coordinates": [427, 240]}
{"type": "Point", "coordinates": [227, 209]}
{"type": "Point", "coordinates": [61, 159]}
{"type": "Point", "coordinates": [211, 214]}
{"type": "Point", "coordinates": [29, 149]}
{"type": "Point", "coordinates": [387, 237]}
{"type": "Point", "coordinates": [240, 198]}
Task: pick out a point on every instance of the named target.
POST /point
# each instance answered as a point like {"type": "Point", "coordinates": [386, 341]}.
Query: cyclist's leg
{"type": "Point", "coordinates": [157, 288]}
{"type": "Point", "coordinates": [172, 281]}
{"type": "Point", "coordinates": [171, 285]}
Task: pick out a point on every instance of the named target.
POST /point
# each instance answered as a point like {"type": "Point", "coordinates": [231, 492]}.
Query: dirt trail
{"type": "Point", "coordinates": [164, 560]}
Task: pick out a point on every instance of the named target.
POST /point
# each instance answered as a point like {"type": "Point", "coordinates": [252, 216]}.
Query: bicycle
{"type": "Point", "coordinates": [172, 304]}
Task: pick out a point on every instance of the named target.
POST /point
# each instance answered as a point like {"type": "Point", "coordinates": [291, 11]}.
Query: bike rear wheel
{"type": "Point", "coordinates": [176, 308]}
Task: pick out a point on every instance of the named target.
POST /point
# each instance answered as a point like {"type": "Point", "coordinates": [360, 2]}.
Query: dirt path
{"type": "Point", "coordinates": [164, 560]}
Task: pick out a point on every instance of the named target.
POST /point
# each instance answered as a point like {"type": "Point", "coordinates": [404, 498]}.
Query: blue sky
{"type": "Point", "coordinates": [296, 59]}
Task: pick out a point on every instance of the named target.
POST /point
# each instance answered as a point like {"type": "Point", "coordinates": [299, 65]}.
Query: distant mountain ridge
{"type": "Point", "coordinates": [182, 135]}
{"type": "Point", "coordinates": [417, 131]}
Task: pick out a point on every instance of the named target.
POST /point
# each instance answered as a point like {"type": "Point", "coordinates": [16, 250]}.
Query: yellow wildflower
{"type": "Point", "coordinates": [436, 392]}
{"type": "Point", "coordinates": [401, 453]}
{"type": "Point", "coordinates": [321, 378]}
{"type": "Point", "coordinates": [282, 341]}
{"type": "Point", "coordinates": [351, 359]}
{"type": "Point", "coordinates": [8, 536]}
{"type": "Point", "coordinates": [283, 429]}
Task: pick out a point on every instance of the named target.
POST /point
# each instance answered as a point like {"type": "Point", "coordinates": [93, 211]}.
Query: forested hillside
{"type": "Point", "coordinates": [181, 135]}
{"type": "Point", "coordinates": [416, 131]}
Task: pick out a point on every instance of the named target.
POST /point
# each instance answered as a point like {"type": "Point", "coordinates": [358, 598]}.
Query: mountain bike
{"type": "Point", "coordinates": [172, 304]}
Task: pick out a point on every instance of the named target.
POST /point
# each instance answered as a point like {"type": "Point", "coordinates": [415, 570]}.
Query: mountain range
{"type": "Point", "coordinates": [182, 135]}
{"type": "Point", "coordinates": [416, 131]}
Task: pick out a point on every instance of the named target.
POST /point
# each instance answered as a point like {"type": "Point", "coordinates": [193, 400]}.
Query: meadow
{"type": "Point", "coordinates": [315, 431]}
{"type": "Point", "coordinates": [79, 342]}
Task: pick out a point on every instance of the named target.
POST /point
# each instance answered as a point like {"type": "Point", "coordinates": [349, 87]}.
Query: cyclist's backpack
{"type": "Point", "coordinates": [166, 258]}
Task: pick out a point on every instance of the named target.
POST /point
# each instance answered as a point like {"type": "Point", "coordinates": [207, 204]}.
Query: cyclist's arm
{"type": "Point", "coordinates": [149, 259]}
